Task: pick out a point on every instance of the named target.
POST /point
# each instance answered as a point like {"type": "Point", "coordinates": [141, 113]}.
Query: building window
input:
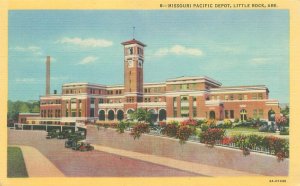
{"type": "Point", "coordinates": [231, 114]}
{"type": "Point", "coordinates": [184, 106]}
{"type": "Point", "coordinates": [175, 106]}
{"type": "Point", "coordinates": [226, 97]}
{"type": "Point", "coordinates": [73, 112]}
{"type": "Point", "coordinates": [260, 96]}
{"type": "Point", "coordinates": [231, 97]}
{"type": "Point", "coordinates": [245, 97]}
{"type": "Point", "coordinates": [92, 112]}
{"type": "Point", "coordinates": [101, 101]}
{"type": "Point", "coordinates": [194, 107]}
{"type": "Point", "coordinates": [240, 97]}
{"type": "Point", "coordinates": [130, 51]}
{"type": "Point", "coordinates": [226, 114]}
{"type": "Point", "coordinates": [155, 99]}
{"type": "Point", "coordinates": [92, 100]}
{"type": "Point", "coordinates": [254, 96]}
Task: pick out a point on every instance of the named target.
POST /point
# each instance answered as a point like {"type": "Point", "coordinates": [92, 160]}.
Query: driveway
{"type": "Point", "coordinates": [90, 164]}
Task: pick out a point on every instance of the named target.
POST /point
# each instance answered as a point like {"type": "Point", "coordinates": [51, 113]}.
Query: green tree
{"type": "Point", "coordinates": [285, 111]}
{"type": "Point", "coordinates": [141, 115]}
{"type": "Point", "coordinates": [35, 109]}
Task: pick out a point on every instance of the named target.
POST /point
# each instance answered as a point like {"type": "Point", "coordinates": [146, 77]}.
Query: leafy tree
{"type": "Point", "coordinates": [285, 111]}
{"type": "Point", "coordinates": [141, 115]}
{"type": "Point", "coordinates": [15, 107]}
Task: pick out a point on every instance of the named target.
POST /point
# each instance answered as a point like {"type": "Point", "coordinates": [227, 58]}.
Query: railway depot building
{"type": "Point", "coordinates": [175, 99]}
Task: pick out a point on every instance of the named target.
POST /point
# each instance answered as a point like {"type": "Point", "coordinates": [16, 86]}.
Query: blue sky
{"type": "Point", "coordinates": [234, 47]}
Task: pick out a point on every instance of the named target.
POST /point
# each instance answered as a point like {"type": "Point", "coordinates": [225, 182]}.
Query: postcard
{"type": "Point", "coordinates": [149, 93]}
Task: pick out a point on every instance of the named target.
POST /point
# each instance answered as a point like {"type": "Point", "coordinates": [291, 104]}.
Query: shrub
{"type": "Point", "coordinates": [200, 122]}
{"type": "Point", "coordinates": [284, 131]}
{"type": "Point", "coordinates": [190, 122]}
{"type": "Point", "coordinates": [278, 146]}
{"type": "Point", "coordinates": [204, 127]}
{"type": "Point", "coordinates": [122, 126]}
{"type": "Point", "coordinates": [139, 129]}
{"type": "Point", "coordinates": [174, 123]}
{"type": "Point", "coordinates": [267, 128]}
{"type": "Point", "coordinates": [211, 135]}
{"type": "Point", "coordinates": [226, 140]}
{"type": "Point", "coordinates": [170, 130]}
{"type": "Point", "coordinates": [255, 141]}
{"type": "Point", "coordinates": [183, 133]}
{"type": "Point", "coordinates": [241, 141]}
{"type": "Point", "coordinates": [162, 123]}
{"type": "Point", "coordinates": [211, 123]}
{"type": "Point", "coordinates": [236, 120]}
{"type": "Point", "coordinates": [227, 123]}
{"type": "Point", "coordinates": [264, 128]}
{"type": "Point", "coordinates": [281, 121]}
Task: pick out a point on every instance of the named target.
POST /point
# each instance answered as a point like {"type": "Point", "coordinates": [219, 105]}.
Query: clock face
{"type": "Point", "coordinates": [130, 63]}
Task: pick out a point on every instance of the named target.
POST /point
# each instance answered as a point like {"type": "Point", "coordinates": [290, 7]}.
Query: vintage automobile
{"type": "Point", "coordinates": [52, 134]}
{"type": "Point", "coordinates": [73, 139]}
{"type": "Point", "coordinates": [64, 134]}
{"type": "Point", "coordinates": [82, 146]}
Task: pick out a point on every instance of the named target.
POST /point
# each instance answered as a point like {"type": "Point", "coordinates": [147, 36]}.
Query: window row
{"type": "Point", "coordinates": [254, 96]}
{"type": "Point", "coordinates": [50, 113]}
{"type": "Point", "coordinates": [188, 86]}
{"type": "Point", "coordinates": [50, 102]}
{"type": "Point", "coordinates": [152, 90]}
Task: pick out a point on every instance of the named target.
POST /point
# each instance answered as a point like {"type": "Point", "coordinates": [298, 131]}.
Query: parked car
{"type": "Point", "coordinates": [52, 134]}
{"type": "Point", "coordinates": [64, 134]}
{"type": "Point", "coordinates": [85, 147]}
{"type": "Point", "coordinates": [70, 143]}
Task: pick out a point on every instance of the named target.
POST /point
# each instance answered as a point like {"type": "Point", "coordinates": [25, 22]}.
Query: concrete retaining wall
{"type": "Point", "coordinates": [190, 151]}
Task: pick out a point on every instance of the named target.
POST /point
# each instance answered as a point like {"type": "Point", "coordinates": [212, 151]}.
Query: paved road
{"type": "Point", "coordinates": [89, 164]}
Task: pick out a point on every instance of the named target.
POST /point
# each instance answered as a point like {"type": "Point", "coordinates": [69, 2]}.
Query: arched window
{"type": "Point", "coordinates": [212, 115]}
{"type": "Point", "coordinates": [111, 115]}
{"type": "Point", "coordinates": [162, 114]}
{"type": "Point", "coordinates": [101, 115]}
{"type": "Point", "coordinates": [120, 115]}
{"type": "Point", "coordinates": [271, 115]}
{"type": "Point", "coordinates": [153, 115]}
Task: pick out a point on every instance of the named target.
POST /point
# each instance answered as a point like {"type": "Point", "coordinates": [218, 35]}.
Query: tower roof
{"type": "Point", "coordinates": [133, 41]}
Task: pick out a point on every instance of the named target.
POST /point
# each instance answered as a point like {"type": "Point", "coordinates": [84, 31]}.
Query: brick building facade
{"type": "Point", "coordinates": [175, 99]}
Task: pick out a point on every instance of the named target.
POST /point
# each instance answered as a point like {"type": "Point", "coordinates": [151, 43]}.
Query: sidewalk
{"type": "Point", "coordinates": [177, 164]}
{"type": "Point", "coordinates": [37, 164]}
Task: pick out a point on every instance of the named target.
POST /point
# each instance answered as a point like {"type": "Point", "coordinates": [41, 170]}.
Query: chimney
{"type": "Point", "coordinates": [48, 76]}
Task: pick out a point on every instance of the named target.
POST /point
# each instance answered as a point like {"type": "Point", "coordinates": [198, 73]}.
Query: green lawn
{"type": "Point", "coordinates": [248, 131]}
{"type": "Point", "coordinates": [15, 163]}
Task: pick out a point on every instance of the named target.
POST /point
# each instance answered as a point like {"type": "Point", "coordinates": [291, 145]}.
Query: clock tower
{"type": "Point", "coordinates": [133, 70]}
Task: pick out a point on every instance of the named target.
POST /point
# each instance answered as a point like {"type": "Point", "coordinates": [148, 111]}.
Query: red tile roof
{"type": "Point", "coordinates": [133, 41]}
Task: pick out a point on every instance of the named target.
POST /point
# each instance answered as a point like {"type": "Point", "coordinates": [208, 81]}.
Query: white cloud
{"type": "Point", "coordinates": [89, 42]}
{"type": "Point", "coordinates": [88, 60]}
{"type": "Point", "coordinates": [27, 80]}
{"type": "Point", "coordinates": [32, 49]}
{"type": "Point", "coordinates": [178, 50]}
{"type": "Point", "coordinates": [260, 61]}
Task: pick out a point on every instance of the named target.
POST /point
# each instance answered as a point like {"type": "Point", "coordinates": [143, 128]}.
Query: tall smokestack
{"type": "Point", "coordinates": [48, 76]}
